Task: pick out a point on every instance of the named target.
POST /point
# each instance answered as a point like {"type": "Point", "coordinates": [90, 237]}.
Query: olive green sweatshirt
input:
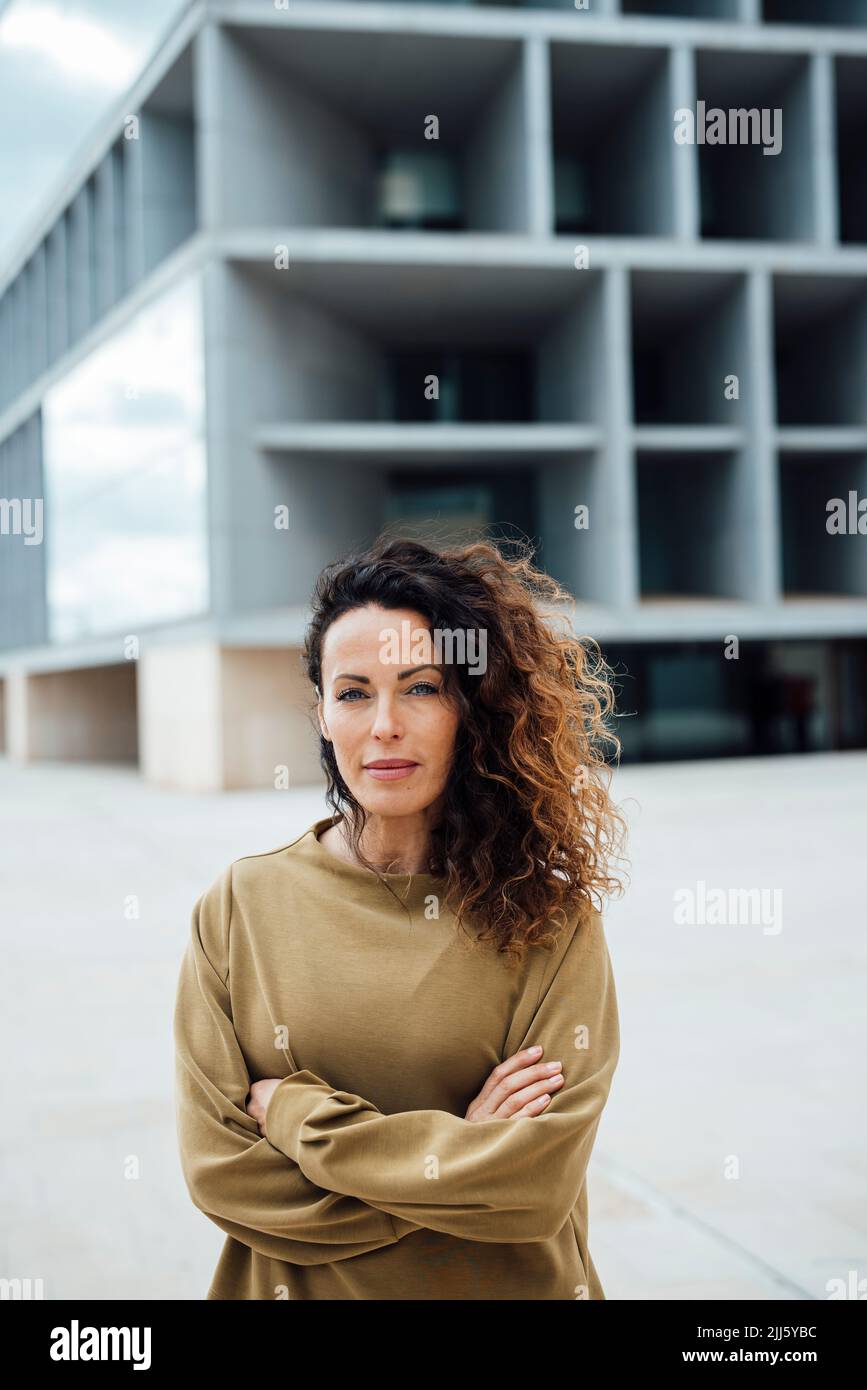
{"type": "Point", "coordinates": [384, 1021]}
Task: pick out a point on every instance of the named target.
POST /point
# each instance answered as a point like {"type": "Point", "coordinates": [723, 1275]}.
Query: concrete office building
{"type": "Point", "coordinates": [213, 351]}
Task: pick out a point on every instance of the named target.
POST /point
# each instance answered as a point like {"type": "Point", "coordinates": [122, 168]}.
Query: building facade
{"type": "Point", "coordinates": [594, 276]}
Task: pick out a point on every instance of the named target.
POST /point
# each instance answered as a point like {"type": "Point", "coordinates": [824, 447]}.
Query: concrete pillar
{"type": "Point", "coordinates": [214, 718]}
{"type": "Point", "coordinates": [17, 734]}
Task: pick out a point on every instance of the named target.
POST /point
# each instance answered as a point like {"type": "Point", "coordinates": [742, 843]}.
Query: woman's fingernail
{"type": "Point", "coordinates": [535, 1049]}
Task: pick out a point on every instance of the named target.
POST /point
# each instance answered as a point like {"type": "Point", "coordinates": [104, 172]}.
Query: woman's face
{"type": "Point", "coordinates": [376, 708]}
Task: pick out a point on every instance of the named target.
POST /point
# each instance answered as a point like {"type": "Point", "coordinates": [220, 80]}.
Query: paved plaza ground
{"type": "Point", "coordinates": [730, 1161]}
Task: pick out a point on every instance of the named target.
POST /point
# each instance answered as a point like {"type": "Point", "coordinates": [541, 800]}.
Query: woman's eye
{"type": "Point", "coordinates": [426, 687]}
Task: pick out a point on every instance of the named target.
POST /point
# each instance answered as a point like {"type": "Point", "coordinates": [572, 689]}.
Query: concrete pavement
{"type": "Point", "coordinates": [730, 1161]}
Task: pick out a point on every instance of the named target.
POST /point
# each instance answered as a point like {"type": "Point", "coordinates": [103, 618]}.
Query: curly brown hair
{"type": "Point", "coordinates": [529, 831]}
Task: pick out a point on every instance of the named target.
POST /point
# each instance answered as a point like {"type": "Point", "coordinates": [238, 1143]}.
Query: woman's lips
{"type": "Point", "coordinates": [391, 774]}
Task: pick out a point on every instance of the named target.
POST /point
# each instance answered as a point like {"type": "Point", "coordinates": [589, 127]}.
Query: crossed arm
{"type": "Point", "coordinates": [335, 1177]}
{"type": "Point", "coordinates": [236, 1177]}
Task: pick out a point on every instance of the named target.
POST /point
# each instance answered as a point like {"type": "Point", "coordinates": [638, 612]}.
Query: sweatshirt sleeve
{"type": "Point", "coordinates": [499, 1180]}
{"type": "Point", "coordinates": [234, 1175]}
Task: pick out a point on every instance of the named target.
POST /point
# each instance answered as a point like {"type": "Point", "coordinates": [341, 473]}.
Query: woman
{"type": "Point", "coordinates": [395, 1035]}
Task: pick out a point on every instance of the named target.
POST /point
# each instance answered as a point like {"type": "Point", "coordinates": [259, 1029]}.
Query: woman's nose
{"type": "Point", "coordinates": [385, 719]}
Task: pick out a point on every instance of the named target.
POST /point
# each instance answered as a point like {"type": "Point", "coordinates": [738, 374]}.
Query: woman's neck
{"type": "Point", "coordinates": [391, 845]}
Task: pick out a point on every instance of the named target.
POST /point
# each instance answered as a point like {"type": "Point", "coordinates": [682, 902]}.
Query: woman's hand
{"type": "Point", "coordinates": [260, 1094]}
{"type": "Point", "coordinates": [520, 1085]}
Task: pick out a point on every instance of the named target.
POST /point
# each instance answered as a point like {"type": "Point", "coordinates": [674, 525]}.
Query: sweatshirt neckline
{"type": "Point", "coordinates": [357, 872]}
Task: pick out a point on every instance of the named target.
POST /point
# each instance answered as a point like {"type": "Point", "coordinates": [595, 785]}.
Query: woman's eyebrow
{"type": "Point", "coordinates": [401, 675]}
{"type": "Point", "coordinates": [428, 666]}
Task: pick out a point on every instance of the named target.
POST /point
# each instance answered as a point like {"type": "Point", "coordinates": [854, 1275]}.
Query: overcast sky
{"type": "Point", "coordinates": [63, 63]}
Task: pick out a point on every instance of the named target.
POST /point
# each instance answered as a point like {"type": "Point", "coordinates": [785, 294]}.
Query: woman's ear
{"type": "Point", "coordinates": [320, 716]}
